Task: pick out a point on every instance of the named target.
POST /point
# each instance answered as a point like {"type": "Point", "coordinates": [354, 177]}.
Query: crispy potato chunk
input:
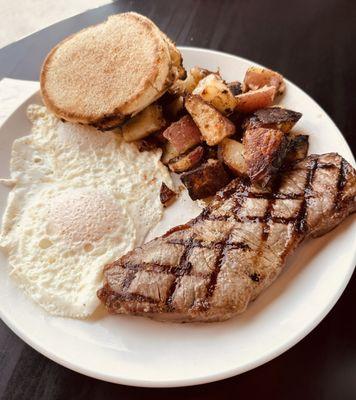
{"type": "Point", "coordinates": [205, 180]}
{"type": "Point", "coordinates": [215, 91]}
{"type": "Point", "coordinates": [200, 73]}
{"type": "Point", "coordinates": [257, 78]}
{"type": "Point", "coordinates": [187, 161]}
{"type": "Point", "coordinates": [169, 152]}
{"type": "Point", "coordinates": [183, 134]}
{"type": "Point", "coordinates": [182, 87]}
{"type": "Point", "coordinates": [166, 195]}
{"type": "Point", "coordinates": [213, 126]}
{"type": "Point", "coordinates": [144, 123]}
{"type": "Point", "coordinates": [232, 154]}
{"type": "Point", "coordinates": [265, 150]}
{"type": "Point", "coordinates": [255, 99]}
{"type": "Point", "coordinates": [273, 117]}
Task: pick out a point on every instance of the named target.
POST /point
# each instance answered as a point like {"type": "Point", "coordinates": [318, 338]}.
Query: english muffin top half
{"type": "Point", "coordinates": [105, 73]}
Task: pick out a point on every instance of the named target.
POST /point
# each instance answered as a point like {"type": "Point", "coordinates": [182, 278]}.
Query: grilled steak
{"type": "Point", "coordinates": [212, 267]}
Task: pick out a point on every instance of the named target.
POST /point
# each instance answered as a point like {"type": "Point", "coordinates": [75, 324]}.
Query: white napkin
{"type": "Point", "coordinates": [13, 92]}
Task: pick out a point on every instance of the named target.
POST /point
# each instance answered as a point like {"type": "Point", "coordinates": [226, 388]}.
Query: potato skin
{"type": "Point", "coordinates": [255, 99]}
{"type": "Point", "coordinates": [183, 134]}
{"type": "Point", "coordinates": [169, 152]}
{"type": "Point", "coordinates": [187, 161]}
{"type": "Point", "coordinates": [166, 195]}
{"type": "Point", "coordinates": [274, 118]}
{"type": "Point", "coordinates": [205, 180]}
{"type": "Point", "coordinates": [265, 150]}
{"type": "Point", "coordinates": [257, 77]}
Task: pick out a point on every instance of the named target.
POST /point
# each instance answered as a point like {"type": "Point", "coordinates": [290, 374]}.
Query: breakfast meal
{"type": "Point", "coordinates": [124, 131]}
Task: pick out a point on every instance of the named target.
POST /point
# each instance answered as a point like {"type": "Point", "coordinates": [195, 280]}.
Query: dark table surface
{"type": "Point", "coordinates": [312, 42]}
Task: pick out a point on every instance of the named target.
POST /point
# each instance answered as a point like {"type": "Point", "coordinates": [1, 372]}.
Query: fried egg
{"type": "Point", "coordinates": [80, 199]}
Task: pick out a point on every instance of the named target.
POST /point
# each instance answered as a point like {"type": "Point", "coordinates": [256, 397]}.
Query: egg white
{"type": "Point", "coordinates": [81, 198]}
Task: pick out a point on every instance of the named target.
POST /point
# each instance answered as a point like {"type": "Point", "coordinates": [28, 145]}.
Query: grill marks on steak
{"type": "Point", "coordinates": [212, 267]}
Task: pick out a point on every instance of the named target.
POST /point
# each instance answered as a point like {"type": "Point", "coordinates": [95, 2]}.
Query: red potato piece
{"type": "Point", "coordinates": [187, 161]}
{"type": "Point", "coordinates": [264, 153]}
{"type": "Point", "coordinates": [255, 99]}
{"type": "Point", "coordinates": [183, 134]}
{"type": "Point", "coordinates": [169, 152]}
{"type": "Point", "coordinates": [205, 180]}
{"type": "Point", "coordinates": [166, 195]}
{"type": "Point", "coordinates": [257, 78]}
{"type": "Point", "coordinates": [272, 117]}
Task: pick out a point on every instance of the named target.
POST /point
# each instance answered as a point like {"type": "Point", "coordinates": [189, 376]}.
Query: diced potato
{"type": "Point", "coordinates": [212, 124]}
{"type": "Point", "coordinates": [183, 134]}
{"type": "Point", "coordinates": [265, 150]}
{"type": "Point", "coordinates": [205, 180]}
{"type": "Point", "coordinates": [169, 152]}
{"type": "Point", "coordinates": [144, 123]}
{"type": "Point", "coordinates": [187, 161]}
{"type": "Point", "coordinates": [273, 117]}
{"type": "Point", "coordinates": [257, 78]}
{"type": "Point", "coordinates": [232, 154]}
{"type": "Point", "coordinates": [235, 87]}
{"type": "Point", "coordinates": [186, 86]}
{"type": "Point", "coordinates": [215, 91]}
{"type": "Point", "coordinates": [297, 148]}
{"type": "Point", "coordinates": [255, 99]}
{"type": "Point", "coordinates": [200, 73]}
{"type": "Point", "coordinates": [182, 87]}
{"type": "Point", "coordinates": [166, 195]}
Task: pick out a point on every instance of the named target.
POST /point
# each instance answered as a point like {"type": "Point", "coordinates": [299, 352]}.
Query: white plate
{"type": "Point", "coordinates": [140, 352]}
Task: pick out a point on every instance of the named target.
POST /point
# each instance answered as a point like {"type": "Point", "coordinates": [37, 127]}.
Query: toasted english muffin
{"type": "Point", "coordinates": [106, 73]}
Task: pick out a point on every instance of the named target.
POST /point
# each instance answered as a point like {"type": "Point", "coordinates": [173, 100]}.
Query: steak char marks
{"type": "Point", "coordinates": [212, 267]}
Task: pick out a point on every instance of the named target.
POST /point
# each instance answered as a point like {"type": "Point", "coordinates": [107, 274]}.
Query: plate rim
{"type": "Point", "coordinates": [270, 355]}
